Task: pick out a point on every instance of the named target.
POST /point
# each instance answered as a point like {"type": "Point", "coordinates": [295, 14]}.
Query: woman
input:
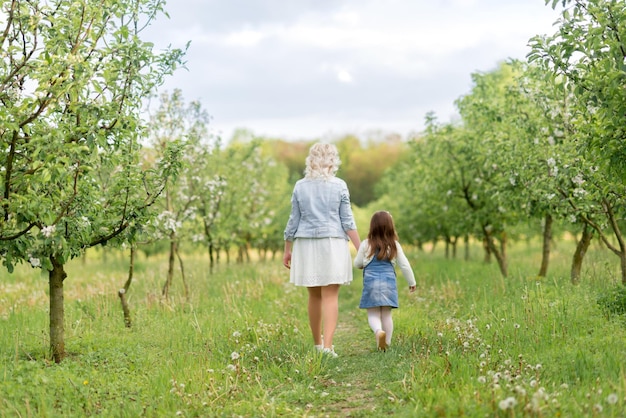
{"type": "Point", "coordinates": [316, 241]}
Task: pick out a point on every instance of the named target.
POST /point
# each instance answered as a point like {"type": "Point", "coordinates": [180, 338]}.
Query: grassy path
{"type": "Point", "coordinates": [360, 376]}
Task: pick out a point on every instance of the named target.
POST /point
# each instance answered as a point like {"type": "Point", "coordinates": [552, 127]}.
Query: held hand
{"type": "Point", "coordinates": [411, 289]}
{"type": "Point", "coordinates": [287, 260]}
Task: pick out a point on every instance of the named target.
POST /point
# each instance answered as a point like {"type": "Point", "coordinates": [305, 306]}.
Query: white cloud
{"type": "Point", "coordinates": [308, 67]}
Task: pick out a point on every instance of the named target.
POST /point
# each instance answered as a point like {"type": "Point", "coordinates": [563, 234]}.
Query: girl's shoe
{"type": "Point", "coordinates": [381, 341]}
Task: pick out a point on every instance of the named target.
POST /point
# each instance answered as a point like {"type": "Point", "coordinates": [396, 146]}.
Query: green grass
{"type": "Point", "coordinates": [467, 343]}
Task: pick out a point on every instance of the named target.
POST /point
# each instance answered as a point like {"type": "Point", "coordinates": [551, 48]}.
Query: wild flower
{"type": "Point", "coordinates": [234, 355]}
{"type": "Point", "coordinates": [612, 399]}
{"type": "Point", "coordinates": [508, 403]}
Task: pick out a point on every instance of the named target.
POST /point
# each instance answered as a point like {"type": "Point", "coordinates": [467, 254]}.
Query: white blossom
{"type": "Point", "coordinates": [578, 179]}
{"type": "Point", "coordinates": [47, 231]}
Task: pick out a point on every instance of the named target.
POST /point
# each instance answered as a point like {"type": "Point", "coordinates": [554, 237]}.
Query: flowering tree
{"type": "Point", "coordinates": [178, 122]}
{"type": "Point", "coordinates": [242, 193]}
{"type": "Point", "coordinates": [73, 75]}
{"type": "Point", "coordinates": [587, 54]}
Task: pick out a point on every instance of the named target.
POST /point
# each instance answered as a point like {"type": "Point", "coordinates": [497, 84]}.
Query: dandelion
{"type": "Point", "coordinates": [236, 334]}
{"type": "Point", "coordinates": [482, 379]}
{"type": "Point", "coordinates": [231, 367]}
{"type": "Point", "coordinates": [612, 399]}
{"type": "Point", "coordinates": [516, 326]}
{"type": "Point", "coordinates": [234, 355]}
{"type": "Point", "coordinates": [508, 403]}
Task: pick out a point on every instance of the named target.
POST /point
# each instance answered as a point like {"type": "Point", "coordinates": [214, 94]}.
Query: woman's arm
{"type": "Point", "coordinates": [353, 234]}
{"type": "Point", "coordinates": [287, 254]}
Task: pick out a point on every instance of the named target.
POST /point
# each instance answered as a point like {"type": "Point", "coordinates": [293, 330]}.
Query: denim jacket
{"type": "Point", "coordinates": [320, 208]}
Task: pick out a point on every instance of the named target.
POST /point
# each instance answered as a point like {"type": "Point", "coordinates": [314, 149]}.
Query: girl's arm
{"type": "Point", "coordinates": [405, 267]}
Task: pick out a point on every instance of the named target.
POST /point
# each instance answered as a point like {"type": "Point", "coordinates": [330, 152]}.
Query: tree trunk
{"type": "Point", "coordinates": [182, 273]}
{"type": "Point", "coordinates": [57, 310]}
{"type": "Point", "coordinates": [170, 267]}
{"type": "Point", "coordinates": [454, 242]}
{"type": "Point", "coordinates": [499, 254]}
{"type": "Point", "coordinates": [211, 257]}
{"type": "Point", "coordinates": [579, 253]}
{"type": "Point", "coordinates": [487, 249]}
{"type": "Point", "coordinates": [547, 238]}
{"type": "Point", "coordinates": [467, 247]}
{"type": "Point", "coordinates": [122, 292]}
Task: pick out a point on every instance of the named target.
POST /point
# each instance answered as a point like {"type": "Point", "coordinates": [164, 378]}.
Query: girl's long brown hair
{"type": "Point", "coordinates": [382, 236]}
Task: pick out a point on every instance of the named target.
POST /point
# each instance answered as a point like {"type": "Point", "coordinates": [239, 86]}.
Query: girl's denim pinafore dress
{"type": "Point", "coordinates": [379, 285]}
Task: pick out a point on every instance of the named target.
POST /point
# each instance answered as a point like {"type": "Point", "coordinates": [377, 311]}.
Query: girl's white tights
{"type": "Point", "coordinates": [380, 318]}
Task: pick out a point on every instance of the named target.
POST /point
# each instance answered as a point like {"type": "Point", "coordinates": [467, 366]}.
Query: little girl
{"type": "Point", "coordinates": [378, 256]}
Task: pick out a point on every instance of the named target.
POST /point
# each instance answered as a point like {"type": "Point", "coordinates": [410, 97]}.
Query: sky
{"type": "Point", "coordinates": [322, 69]}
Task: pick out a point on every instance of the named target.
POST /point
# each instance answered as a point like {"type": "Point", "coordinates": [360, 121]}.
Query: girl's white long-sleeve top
{"type": "Point", "coordinates": [401, 261]}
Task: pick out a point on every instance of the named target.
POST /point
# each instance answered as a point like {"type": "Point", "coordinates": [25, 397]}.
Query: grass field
{"type": "Point", "coordinates": [467, 343]}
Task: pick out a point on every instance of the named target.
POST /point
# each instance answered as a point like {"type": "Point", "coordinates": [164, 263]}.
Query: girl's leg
{"type": "Point", "coordinates": [374, 319]}
{"type": "Point", "coordinates": [330, 312]}
{"type": "Point", "coordinates": [387, 320]}
{"type": "Point", "coordinates": [315, 314]}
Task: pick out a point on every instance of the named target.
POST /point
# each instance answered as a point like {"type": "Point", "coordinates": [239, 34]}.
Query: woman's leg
{"type": "Point", "coordinates": [387, 320]}
{"type": "Point", "coordinates": [315, 313]}
{"type": "Point", "coordinates": [330, 312]}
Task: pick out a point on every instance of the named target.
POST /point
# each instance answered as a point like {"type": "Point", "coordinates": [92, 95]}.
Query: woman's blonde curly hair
{"type": "Point", "coordinates": [322, 162]}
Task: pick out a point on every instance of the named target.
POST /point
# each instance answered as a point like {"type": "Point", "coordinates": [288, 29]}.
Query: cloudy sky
{"type": "Point", "coordinates": [308, 69]}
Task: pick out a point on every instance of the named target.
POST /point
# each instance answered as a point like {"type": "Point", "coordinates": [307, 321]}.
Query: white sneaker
{"type": "Point", "coordinates": [330, 352]}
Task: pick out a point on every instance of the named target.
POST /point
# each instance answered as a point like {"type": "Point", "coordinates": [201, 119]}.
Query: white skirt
{"type": "Point", "coordinates": [320, 262]}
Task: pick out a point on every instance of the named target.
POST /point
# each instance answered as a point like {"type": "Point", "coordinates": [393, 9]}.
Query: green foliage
{"type": "Point", "coordinates": [613, 301]}
{"type": "Point", "coordinates": [73, 76]}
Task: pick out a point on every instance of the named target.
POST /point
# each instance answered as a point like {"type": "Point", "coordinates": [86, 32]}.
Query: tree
{"type": "Point", "coordinates": [73, 75]}
{"type": "Point", "coordinates": [588, 52]}
{"type": "Point", "coordinates": [178, 122]}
